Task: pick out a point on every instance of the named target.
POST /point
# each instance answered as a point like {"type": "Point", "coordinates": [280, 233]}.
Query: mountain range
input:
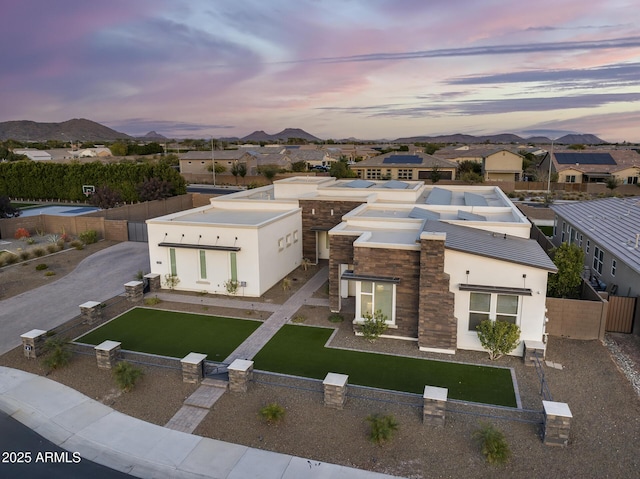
{"type": "Point", "coordinates": [87, 130]}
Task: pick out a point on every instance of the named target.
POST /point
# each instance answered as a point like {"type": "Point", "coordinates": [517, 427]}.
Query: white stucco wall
{"type": "Point", "coordinates": [491, 272]}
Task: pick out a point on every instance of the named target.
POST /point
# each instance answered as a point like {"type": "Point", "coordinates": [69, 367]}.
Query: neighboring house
{"type": "Point", "coordinates": [405, 166]}
{"type": "Point", "coordinates": [498, 164]}
{"type": "Point", "coordinates": [315, 157]}
{"type": "Point", "coordinates": [436, 261]}
{"type": "Point", "coordinates": [608, 231]}
{"type": "Point", "coordinates": [594, 166]}
{"type": "Point", "coordinates": [199, 162]}
{"type": "Point", "coordinates": [33, 154]}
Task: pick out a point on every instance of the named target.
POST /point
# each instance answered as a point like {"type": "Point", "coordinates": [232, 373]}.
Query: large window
{"type": "Point", "coordinates": [172, 261]}
{"type": "Point", "coordinates": [203, 264]}
{"type": "Point", "coordinates": [497, 307]}
{"type": "Point", "coordinates": [234, 266]}
{"type": "Point", "coordinates": [376, 296]}
{"type": "Point", "coordinates": [405, 174]}
{"type": "Point", "coordinates": [598, 259]}
{"type": "Point", "coordinates": [374, 173]}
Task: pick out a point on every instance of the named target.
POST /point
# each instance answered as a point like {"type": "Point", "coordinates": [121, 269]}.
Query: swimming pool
{"type": "Point", "coordinates": [58, 210]}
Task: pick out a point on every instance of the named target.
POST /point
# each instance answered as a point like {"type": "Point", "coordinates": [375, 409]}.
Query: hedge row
{"type": "Point", "coordinates": [52, 181]}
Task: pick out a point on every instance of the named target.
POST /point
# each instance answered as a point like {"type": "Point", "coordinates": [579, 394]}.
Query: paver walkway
{"type": "Point", "coordinates": [197, 405]}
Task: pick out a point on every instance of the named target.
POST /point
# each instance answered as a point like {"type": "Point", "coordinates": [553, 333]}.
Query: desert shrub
{"type": "Point", "coordinates": [374, 325]}
{"type": "Point", "coordinates": [77, 244]}
{"type": "Point", "coordinates": [336, 318]}
{"type": "Point", "coordinates": [493, 443]}
{"type": "Point", "coordinates": [305, 263]}
{"type": "Point", "coordinates": [498, 337]}
{"type": "Point", "coordinates": [50, 273]}
{"type": "Point", "coordinates": [171, 281]}
{"type": "Point", "coordinates": [152, 301]}
{"type": "Point", "coordinates": [272, 413]}
{"type": "Point", "coordinates": [24, 255]}
{"type": "Point", "coordinates": [38, 252]}
{"type": "Point", "coordinates": [231, 286]}
{"type": "Point", "coordinates": [126, 375]}
{"type": "Point", "coordinates": [299, 318]}
{"type": "Point", "coordinates": [52, 248]}
{"type": "Point", "coordinates": [12, 259]}
{"type": "Point", "coordinates": [57, 353]}
{"type": "Point", "coordinates": [30, 241]}
{"type": "Point", "coordinates": [53, 238]}
{"type": "Point", "coordinates": [2, 261]}
{"type": "Point", "coordinates": [88, 237]}
{"type": "Point", "coordinates": [21, 233]}
{"type": "Point", "coordinates": [382, 428]}
{"type": "Point", "coordinates": [41, 267]}
{"type": "Point", "coordinates": [286, 284]}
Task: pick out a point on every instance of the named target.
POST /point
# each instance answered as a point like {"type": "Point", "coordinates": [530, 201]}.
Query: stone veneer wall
{"type": "Point", "coordinates": [399, 263]}
{"type": "Point", "coordinates": [321, 218]}
{"type": "Point", "coordinates": [437, 325]}
{"type": "Point", "coordinates": [341, 253]}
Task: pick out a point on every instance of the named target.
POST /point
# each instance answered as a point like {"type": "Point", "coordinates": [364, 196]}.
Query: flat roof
{"type": "Point", "coordinates": [221, 216]}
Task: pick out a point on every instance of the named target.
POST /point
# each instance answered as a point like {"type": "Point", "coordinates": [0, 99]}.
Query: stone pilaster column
{"type": "Point", "coordinates": [91, 312]}
{"type": "Point", "coordinates": [192, 367]}
{"type": "Point", "coordinates": [557, 423]}
{"type": "Point", "coordinates": [154, 282]}
{"type": "Point", "coordinates": [335, 390]}
{"type": "Point", "coordinates": [240, 373]}
{"type": "Point", "coordinates": [33, 342]}
{"type": "Point", "coordinates": [435, 404]}
{"type": "Point", "coordinates": [532, 348]}
{"type": "Point", "coordinates": [107, 354]}
{"type": "Point", "coordinates": [134, 291]}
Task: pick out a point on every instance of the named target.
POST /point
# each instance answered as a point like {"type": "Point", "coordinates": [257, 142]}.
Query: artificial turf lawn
{"type": "Point", "coordinates": [173, 334]}
{"type": "Point", "coordinates": [300, 351]}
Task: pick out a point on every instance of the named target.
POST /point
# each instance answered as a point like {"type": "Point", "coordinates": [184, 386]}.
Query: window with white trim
{"type": "Point", "coordinates": [373, 296]}
{"type": "Point", "coordinates": [614, 265]}
{"type": "Point", "coordinates": [598, 259]}
{"type": "Point", "coordinates": [580, 243]}
{"type": "Point", "coordinates": [588, 245]}
{"type": "Point", "coordinates": [496, 307]}
{"type": "Point", "coordinates": [203, 264]}
{"type": "Point", "coordinates": [570, 179]}
{"type": "Point", "coordinates": [563, 228]}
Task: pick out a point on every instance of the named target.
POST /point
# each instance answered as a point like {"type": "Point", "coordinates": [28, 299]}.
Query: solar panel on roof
{"type": "Point", "coordinates": [359, 184]}
{"type": "Point", "coordinates": [422, 214]}
{"type": "Point", "coordinates": [438, 196]}
{"type": "Point", "coordinates": [465, 215]}
{"type": "Point", "coordinates": [395, 185]}
{"type": "Point", "coordinates": [585, 159]}
{"type": "Point", "coordinates": [402, 159]}
{"type": "Point", "coordinates": [471, 199]}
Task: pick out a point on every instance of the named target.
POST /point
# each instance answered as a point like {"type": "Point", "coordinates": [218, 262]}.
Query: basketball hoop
{"type": "Point", "coordinates": [88, 190]}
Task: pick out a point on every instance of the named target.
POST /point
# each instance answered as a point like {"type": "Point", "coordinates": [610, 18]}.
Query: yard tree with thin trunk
{"type": "Point", "coordinates": [498, 337]}
{"type": "Point", "coordinates": [569, 259]}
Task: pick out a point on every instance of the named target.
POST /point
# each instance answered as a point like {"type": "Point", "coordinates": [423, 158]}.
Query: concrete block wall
{"type": "Point", "coordinates": [576, 319]}
{"type": "Point", "coordinates": [341, 253]}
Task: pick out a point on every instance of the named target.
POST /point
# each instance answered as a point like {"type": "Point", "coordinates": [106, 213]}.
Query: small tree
{"type": "Point", "coordinates": [6, 209]}
{"type": "Point", "coordinates": [498, 337]}
{"type": "Point", "coordinates": [299, 166]}
{"type": "Point", "coordinates": [268, 171]}
{"type": "Point", "coordinates": [374, 325]}
{"type": "Point", "coordinates": [612, 183]}
{"type": "Point", "coordinates": [105, 198]}
{"type": "Point", "coordinates": [472, 177]}
{"type": "Point", "coordinates": [154, 189]}
{"type": "Point", "coordinates": [171, 281]}
{"type": "Point", "coordinates": [238, 169]}
{"type": "Point", "coordinates": [382, 428]}
{"type": "Point", "coordinates": [493, 443]}
{"type": "Point", "coordinates": [436, 175]}
{"type": "Point", "coordinates": [569, 259]}
{"type": "Point", "coordinates": [126, 375]}
{"type": "Point", "coordinates": [231, 286]}
{"type": "Point", "coordinates": [57, 353]}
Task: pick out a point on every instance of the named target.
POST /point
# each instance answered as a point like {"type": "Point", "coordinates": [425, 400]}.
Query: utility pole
{"type": "Point", "coordinates": [550, 159]}
{"type": "Point", "coordinates": [213, 164]}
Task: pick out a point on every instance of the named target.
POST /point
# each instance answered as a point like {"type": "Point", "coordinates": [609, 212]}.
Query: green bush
{"type": "Point", "coordinates": [41, 267]}
{"type": "Point", "coordinates": [272, 413]}
{"type": "Point", "coordinates": [38, 252]}
{"type": "Point", "coordinates": [374, 325]}
{"type": "Point", "coordinates": [12, 259]}
{"type": "Point", "coordinates": [57, 353]}
{"type": "Point", "coordinates": [77, 244]}
{"type": "Point", "coordinates": [25, 255]}
{"type": "Point", "coordinates": [50, 273]}
{"type": "Point", "coordinates": [88, 237]}
{"type": "Point", "coordinates": [498, 337]}
{"type": "Point", "coordinates": [299, 318]}
{"type": "Point", "coordinates": [152, 301]}
{"type": "Point", "coordinates": [52, 248]}
{"type": "Point", "coordinates": [126, 375]}
{"type": "Point", "coordinates": [336, 318]}
{"type": "Point", "coordinates": [493, 443]}
{"type": "Point", "coordinates": [382, 428]}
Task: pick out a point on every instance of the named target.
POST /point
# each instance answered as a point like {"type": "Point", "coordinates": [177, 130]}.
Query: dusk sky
{"type": "Point", "coordinates": [368, 69]}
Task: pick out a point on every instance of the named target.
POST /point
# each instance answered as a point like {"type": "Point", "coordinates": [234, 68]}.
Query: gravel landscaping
{"type": "Point", "coordinates": [605, 429]}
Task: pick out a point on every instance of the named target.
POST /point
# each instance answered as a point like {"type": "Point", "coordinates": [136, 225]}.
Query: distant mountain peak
{"type": "Point", "coordinates": [284, 135]}
{"type": "Point", "coordinates": [76, 129]}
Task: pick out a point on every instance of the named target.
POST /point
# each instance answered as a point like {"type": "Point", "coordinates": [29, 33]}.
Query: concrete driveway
{"type": "Point", "coordinates": [97, 278]}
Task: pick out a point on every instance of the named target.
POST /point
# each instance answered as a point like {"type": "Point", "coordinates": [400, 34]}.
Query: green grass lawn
{"type": "Point", "coordinates": [174, 334]}
{"type": "Point", "coordinates": [300, 351]}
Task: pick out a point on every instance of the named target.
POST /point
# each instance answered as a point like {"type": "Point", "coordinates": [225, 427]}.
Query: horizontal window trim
{"type": "Point", "coordinates": [480, 288]}
{"type": "Point", "coordinates": [200, 246]}
{"type": "Point", "coordinates": [350, 275]}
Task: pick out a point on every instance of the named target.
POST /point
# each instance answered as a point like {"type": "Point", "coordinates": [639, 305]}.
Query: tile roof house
{"type": "Point", "coordinates": [405, 166]}
{"type": "Point", "coordinates": [608, 231]}
{"type": "Point", "coordinates": [498, 163]}
{"type": "Point", "coordinates": [595, 166]}
{"type": "Point", "coordinates": [435, 260]}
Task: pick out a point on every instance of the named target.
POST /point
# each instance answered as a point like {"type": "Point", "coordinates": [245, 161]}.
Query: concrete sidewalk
{"type": "Point", "coordinates": [77, 423]}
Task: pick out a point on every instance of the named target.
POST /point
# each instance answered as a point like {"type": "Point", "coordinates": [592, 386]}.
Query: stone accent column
{"type": "Point", "coordinates": [335, 390]}
{"type": "Point", "coordinates": [91, 312]}
{"type": "Point", "coordinates": [33, 342]}
{"type": "Point", "coordinates": [134, 291]}
{"type": "Point", "coordinates": [437, 326]}
{"type": "Point", "coordinates": [557, 423]}
{"type": "Point", "coordinates": [154, 282]}
{"type": "Point", "coordinates": [530, 349]}
{"type": "Point", "coordinates": [435, 404]}
{"type": "Point", "coordinates": [192, 367]}
{"type": "Point", "coordinates": [107, 354]}
{"type": "Point", "coordinates": [240, 373]}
